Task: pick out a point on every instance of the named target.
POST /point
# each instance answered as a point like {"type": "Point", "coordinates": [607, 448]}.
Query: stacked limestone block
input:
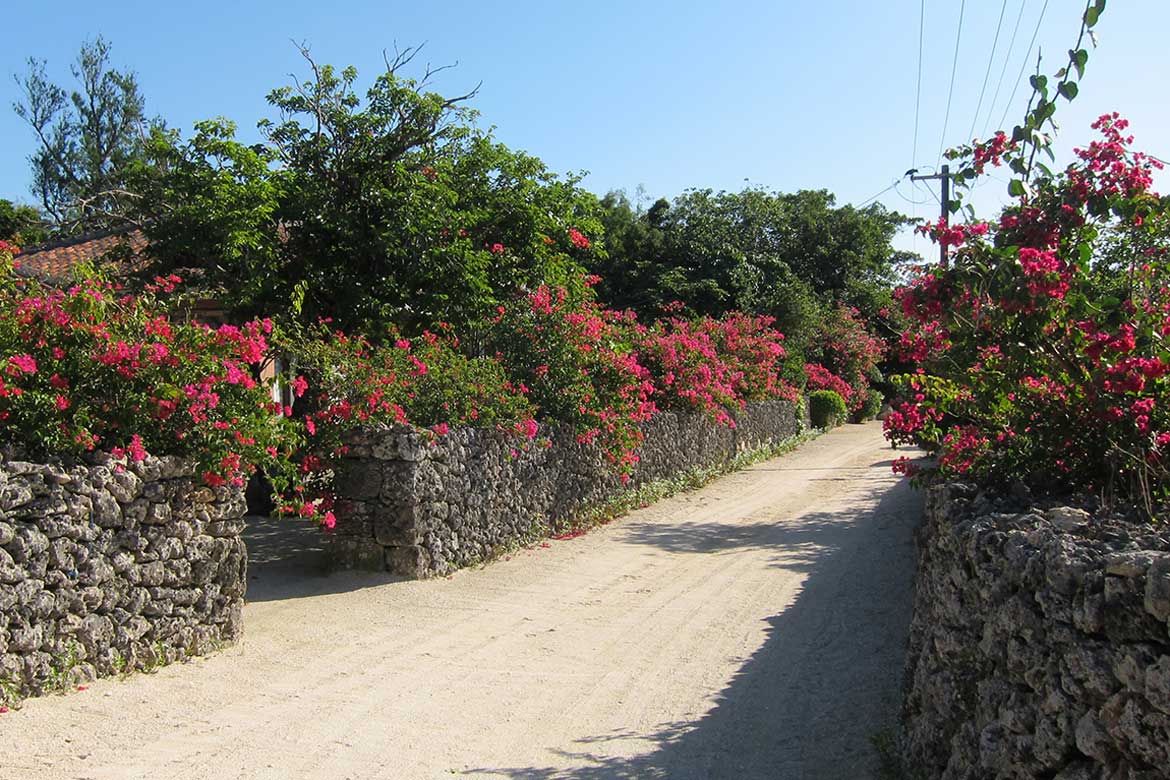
{"type": "Point", "coordinates": [1040, 644]}
{"type": "Point", "coordinates": [419, 505]}
{"type": "Point", "coordinates": [106, 568]}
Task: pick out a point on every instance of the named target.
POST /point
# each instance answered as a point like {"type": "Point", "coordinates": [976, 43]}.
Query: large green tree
{"type": "Point", "coordinates": [753, 250]}
{"type": "Point", "coordinates": [21, 224]}
{"type": "Point", "coordinates": [86, 139]}
{"type": "Point", "coordinates": [387, 206]}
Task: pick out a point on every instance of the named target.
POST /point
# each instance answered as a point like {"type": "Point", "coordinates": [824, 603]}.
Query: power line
{"type": "Point", "coordinates": [1024, 64]}
{"type": "Point", "coordinates": [951, 91]}
{"type": "Point", "coordinates": [874, 197]}
{"type": "Point", "coordinates": [1007, 58]}
{"type": "Point", "coordinates": [987, 74]}
{"type": "Point", "coordinates": [911, 200]}
{"type": "Point", "coordinates": [918, 90]}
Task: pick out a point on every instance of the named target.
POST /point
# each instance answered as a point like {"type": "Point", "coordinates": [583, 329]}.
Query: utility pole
{"type": "Point", "coordinates": [944, 176]}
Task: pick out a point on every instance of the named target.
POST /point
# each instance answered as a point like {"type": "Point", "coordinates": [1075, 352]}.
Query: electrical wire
{"type": "Point", "coordinates": [1024, 64]}
{"type": "Point", "coordinates": [987, 73]}
{"type": "Point", "coordinates": [874, 197]}
{"type": "Point", "coordinates": [1007, 58]}
{"type": "Point", "coordinates": [909, 200]}
{"type": "Point", "coordinates": [918, 89]}
{"type": "Point", "coordinates": [950, 92]}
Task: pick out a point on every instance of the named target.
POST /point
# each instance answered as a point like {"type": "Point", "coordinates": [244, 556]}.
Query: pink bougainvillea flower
{"type": "Point", "coordinates": [25, 363]}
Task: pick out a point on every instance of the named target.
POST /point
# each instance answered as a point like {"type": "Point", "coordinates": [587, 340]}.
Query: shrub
{"type": "Point", "coordinates": [426, 382]}
{"type": "Point", "coordinates": [817, 377]}
{"type": "Point", "coordinates": [1042, 355]}
{"type": "Point", "coordinates": [826, 409]}
{"type": "Point", "coordinates": [713, 366]}
{"type": "Point", "coordinates": [843, 356]}
{"type": "Point", "coordinates": [872, 406]}
{"type": "Point", "coordinates": [89, 368]}
{"type": "Point", "coordinates": [577, 364]}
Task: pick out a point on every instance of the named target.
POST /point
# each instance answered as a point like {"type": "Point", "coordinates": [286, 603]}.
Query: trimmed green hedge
{"type": "Point", "coordinates": [871, 408]}
{"type": "Point", "coordinates": [826, 409]}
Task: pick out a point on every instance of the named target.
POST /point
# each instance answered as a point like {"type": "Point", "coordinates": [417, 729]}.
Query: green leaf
{"type": "Point", "coordinates": [1016, 188]}
{"type": "Point", "coordinates": [1068, 89]}
{"type": "Point", "coordinates": [1091, 16]}
{"type": "Point", "coordinates": [1079, 58]}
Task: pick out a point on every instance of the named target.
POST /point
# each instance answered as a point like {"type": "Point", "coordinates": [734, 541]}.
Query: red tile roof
{"type": "Point", "coordinates": [54, 262]}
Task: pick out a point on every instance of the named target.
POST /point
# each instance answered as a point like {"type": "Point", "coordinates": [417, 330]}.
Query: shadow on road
{"type": "Point", "coordinates": [288, 558]}
{"type": "Point", "coordinates": [827, 678]}
{"type": "Point", "coordinates": [799, 544]}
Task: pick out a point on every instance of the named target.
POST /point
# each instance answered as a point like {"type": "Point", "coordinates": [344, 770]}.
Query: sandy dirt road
{"type": "Point", "coordinates": [751, 629]}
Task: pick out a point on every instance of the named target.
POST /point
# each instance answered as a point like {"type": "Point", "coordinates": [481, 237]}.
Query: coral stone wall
{"type": "Point", "coordinates": [1039, 645]}
{"type": "Point", "coordinates": [106, 568]}
{"type": "Point", "coordinates": [422, 506]}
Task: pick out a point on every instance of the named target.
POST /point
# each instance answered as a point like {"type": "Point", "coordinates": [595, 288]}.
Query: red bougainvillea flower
{"type": "Point", "coordinates": [578, 239]}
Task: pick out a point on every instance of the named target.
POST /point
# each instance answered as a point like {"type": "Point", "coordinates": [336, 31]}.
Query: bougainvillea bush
{"type": "Point", "coordinates": [604, 372]}
{"type": "Point", "coordinates": [714, 365]}
{"type": "Point", "coordinates": [576, 361]}
{"type": "Point", "coordinates": [342, 382]}
{"type": "Point", "coordinates": [844, 358]}
{"type": "Point", "coordinates": [88, 368]}
{"type": "Point", "coordinates": [426, 382]}
{"type": "Point", "coordinates": [1042, 340]}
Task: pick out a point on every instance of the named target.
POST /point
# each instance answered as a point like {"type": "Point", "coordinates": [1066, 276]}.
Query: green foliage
{"type": "Point", "coordinates": [21, 225]}
{"type": "Point", "coordinates": [635, 269]}
{"type": "Point", "coordinates": [425, 382]}
{"type": "Point", "coordinates": [826, 409]}
{"type": "Point", "coordinates": [87, 139]}
{"type": "Point", "coordinates": [387, 207]}
{"type": "Point", "coordinates": [872, 406]}
{"type": "Point", "coordinates": [758, 251]}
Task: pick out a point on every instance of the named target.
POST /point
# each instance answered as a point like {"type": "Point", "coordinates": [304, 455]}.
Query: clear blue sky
{"type": "Point", "coordinates": [786, 95]}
